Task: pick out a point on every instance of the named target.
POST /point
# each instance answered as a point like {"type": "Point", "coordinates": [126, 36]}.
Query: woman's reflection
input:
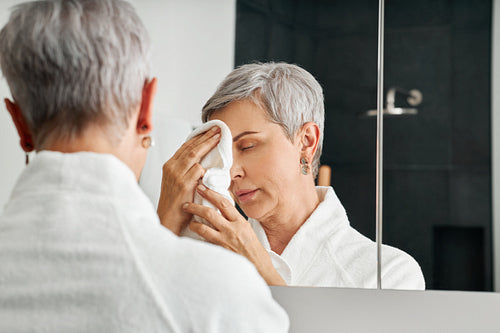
{"type": "Point", "coordinates": [298, 232]}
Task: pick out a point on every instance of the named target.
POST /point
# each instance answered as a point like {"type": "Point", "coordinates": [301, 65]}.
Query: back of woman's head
{"type": "Point", "coordinates": [289, 94]}
{"type": "Point", "coordinates": [75, 63]}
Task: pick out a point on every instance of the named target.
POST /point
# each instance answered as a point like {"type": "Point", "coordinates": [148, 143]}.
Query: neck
{"type": "Point", "coordinates": [94, 139]}
{"type": "Point", "coordinates": [282, 226]}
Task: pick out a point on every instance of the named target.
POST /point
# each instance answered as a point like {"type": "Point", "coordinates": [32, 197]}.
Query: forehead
{"type": "Point", "coordinates": [242, 116]}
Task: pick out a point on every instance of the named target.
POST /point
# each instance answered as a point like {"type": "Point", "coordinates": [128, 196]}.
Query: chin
{"type": "Point", "coordinates": [253, 213]}
{"type": "Point", "coordinates": [259, 207]}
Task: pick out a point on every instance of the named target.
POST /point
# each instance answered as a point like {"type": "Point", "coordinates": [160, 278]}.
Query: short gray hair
{"type": "Point", "coordinates": [290, 95]}
{"type": "Point", "coordinates": [73, 63]}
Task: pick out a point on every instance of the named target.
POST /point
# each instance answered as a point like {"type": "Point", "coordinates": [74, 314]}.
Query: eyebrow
{"type": "Point", "coordinates": [236, 138]}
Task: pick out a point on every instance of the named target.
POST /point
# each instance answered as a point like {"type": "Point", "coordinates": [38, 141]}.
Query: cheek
{"type": "Point", "coordinates": [278, 167]}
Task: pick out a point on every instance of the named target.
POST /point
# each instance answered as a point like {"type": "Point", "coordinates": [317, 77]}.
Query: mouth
{"type": "Point", "coordinates": [245, 195]}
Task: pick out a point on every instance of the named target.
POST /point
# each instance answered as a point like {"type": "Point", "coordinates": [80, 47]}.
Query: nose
{"type": "Point", "coordinates": [236, 171]}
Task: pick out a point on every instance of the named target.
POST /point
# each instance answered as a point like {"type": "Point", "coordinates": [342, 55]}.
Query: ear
{"type": "Point", "coordinates": [145, 119]}
{"type": "Point", "coordinates": [309, 140]}
{"type": "Point", "coordinates": [26, 141]}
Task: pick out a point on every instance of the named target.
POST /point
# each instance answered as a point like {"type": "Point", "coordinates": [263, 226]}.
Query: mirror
{"type": "Point", "coordinates": [437, 178]}
{"type": "Point", "coordinates": [437, 172]}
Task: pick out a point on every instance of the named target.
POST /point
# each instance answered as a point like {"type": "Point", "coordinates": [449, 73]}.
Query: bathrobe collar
{"type": "Point", "coordinates": [307, 241]}
{"type": "Point", "coordinates": [55, 170]}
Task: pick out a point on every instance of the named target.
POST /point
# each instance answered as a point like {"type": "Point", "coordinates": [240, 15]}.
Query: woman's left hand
{"type": "Point", "coordinates": [232, 232]}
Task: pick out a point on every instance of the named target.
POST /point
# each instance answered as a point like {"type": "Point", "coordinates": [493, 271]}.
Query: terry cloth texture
{"type": "Point", "coordinates": [82, 250]}
{"type": "Point", "coordinates": [327, 252]}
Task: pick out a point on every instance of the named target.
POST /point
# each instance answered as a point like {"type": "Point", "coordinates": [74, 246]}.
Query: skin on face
{"type": "Point", "coordinates": [265, 176]}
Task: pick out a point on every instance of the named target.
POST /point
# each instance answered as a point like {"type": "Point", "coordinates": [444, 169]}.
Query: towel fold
{"type": "Point", "coordinates": [217, 164]}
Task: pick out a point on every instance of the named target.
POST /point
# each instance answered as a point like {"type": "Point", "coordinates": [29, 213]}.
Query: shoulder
{"type": "Point", "coordinates": [210, 286]}
{"type": "Point", "coordinates": [357, 254]}
{"type": "Point", "coordinates": [400, 270]}
{"type": "Point", "coordinates": [232, 289]}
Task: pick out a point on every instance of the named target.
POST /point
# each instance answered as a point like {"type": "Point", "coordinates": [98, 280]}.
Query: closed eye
{"type": "Point", "coordinates": [247, 147]}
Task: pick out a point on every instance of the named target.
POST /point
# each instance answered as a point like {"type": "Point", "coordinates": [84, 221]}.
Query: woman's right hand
{"type": "Point", "coordinates": [181, 174]}
{"type": "Point", "coordinates": [233, 232]}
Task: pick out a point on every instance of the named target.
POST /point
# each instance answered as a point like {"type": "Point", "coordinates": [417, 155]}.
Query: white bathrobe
{"type": "Point", "coordinates": [326, 251]}
{"type": "Point", "coordinates": [82, 250]}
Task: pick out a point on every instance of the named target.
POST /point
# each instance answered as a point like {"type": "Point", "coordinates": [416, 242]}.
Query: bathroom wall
{"type": "Point", "coordinates": [437, 173]}
{"type": "Point", "coordinates": [193, 49]}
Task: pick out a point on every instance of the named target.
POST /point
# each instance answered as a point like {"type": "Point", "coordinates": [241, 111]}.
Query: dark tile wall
{"type": "Point", "coordinates": [463, 242]}
{"type": "Point", "coordinates": [437, 172]}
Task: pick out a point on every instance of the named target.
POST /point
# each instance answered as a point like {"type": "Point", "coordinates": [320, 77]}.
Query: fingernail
{"type": "Point", "coordinates": [184, 206]}
{"type": "Point", "coordinates": [201, 187]}
{"type": "Point", "coordinates": [216, 136]}
{"type": "Point", "coordinates": [215, 128]}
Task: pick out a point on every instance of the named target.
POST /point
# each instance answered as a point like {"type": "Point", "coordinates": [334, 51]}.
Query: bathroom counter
{"type": "Point", "coordinates": [369, 310]}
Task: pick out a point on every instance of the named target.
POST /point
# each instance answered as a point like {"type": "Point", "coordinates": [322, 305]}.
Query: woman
{"type": "Point", "coordinates": [81, 246]}
{"type": "Point", "coordinates": [298, 233]}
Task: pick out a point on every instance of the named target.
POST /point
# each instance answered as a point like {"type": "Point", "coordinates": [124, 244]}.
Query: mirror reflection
{"type": "Point", "coordinates": [298, 234]}
{"type": "Point", "coordinates": [437, 180]}
{"type": "Point", "coordinates": [437, 186]}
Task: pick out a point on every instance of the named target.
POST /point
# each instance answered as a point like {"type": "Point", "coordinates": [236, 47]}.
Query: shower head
{"type": "Point", "coordinates": [414, 98]}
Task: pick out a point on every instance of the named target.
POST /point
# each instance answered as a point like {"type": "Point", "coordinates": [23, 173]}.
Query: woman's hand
{"type": "Point", "coordinates": [180, 177]}
{"type": "Point", "coordinates": [232, 232]}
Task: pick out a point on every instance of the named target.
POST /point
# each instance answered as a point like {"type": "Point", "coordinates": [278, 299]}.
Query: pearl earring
{"type": "Point", "coordinates": [147, 142]}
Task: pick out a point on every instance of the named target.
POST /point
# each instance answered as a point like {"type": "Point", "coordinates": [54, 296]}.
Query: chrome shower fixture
{"type": "Point", "coordinates": [414, 98]}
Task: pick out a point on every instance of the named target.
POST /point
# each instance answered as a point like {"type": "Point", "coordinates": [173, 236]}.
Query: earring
{"type": "Point", "coordinates": [27, 159]}
{"type": "Point", "coordinates": [304, 166]}
{"type": "Point", "coordinates": [147, 142]}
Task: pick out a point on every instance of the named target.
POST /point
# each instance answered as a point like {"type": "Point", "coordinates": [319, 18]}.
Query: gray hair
{"type": "Point", "coordinates": [290, 95]}
{"type": "Point", "coordinates": [74, 63]}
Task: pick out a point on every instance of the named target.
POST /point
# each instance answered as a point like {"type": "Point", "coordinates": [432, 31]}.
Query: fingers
{"type": "Point", "coordinates": [223, 204]}
{"type": "Point", "coordinates": [181, 174]}
{"type": "Point", "coordinates": [195, 172]}
{"type": "Point", "coordinates": [193, 150]}
{"type": "Point", "coordinates": [207, 213]}
{"type": "Point", "coordinates": [197, 139]}
{"type": "Point", "coordinates": [206, 232]}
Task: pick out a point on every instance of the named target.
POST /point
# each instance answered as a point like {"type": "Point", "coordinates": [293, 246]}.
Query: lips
{"type": "Point", "coordinates": [245, 194]}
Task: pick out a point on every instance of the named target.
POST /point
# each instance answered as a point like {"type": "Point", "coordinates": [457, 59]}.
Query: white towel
{"type": "Point", "coordinates": [217, 164]}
